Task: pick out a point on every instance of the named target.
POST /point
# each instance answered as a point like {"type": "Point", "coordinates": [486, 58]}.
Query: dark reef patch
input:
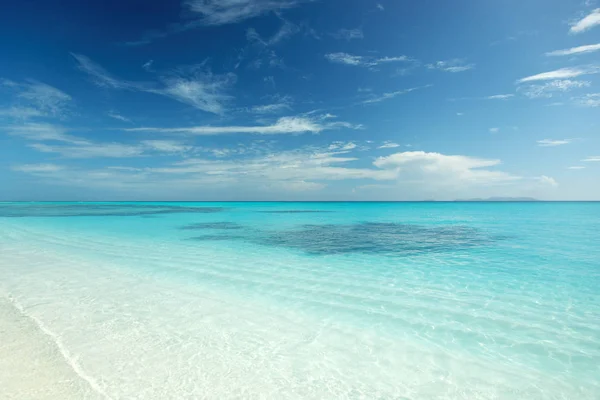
{"type": "Point", "coordinates": [377, 238]}
{"type": "Point", "coordinates": [389, 239]}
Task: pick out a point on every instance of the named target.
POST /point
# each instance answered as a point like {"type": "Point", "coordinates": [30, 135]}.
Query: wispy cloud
{"type": "Point", "coordinates": [148, 65]}
{"type": "Point", "coordinates": [117, 116]}
{"type": "Point", "coordinates": [548, 89]}
{"type": "Point", "coordinates": [101, 77]}
{"type": "Point", "coordinates": [286, 30]}
{"type": "Point", "coordinates": [202, 90]}
{"type": "Point", "coordinates": [389, 145]}
{"type": "Point", "coordinates": [43, 132]}
{"type": "Point", "coordinates": [455, 65]}
{"type": "Point", "coordinates": [38, 99]}
{"type": "Point", "coordinates": [345, 58]}
{"type": "Point", "coordinates": [546, 180]}
{"type": "Point", "coordinates": [21, 113]}
{"type": "Point", "coordinates": [37, 168]}
{"type": "Point", "coordinates": [588, 22]}
{"type": "Point", "coordinates": [494, 130]}
{"type": "Point", "coordinates": [592, 159]}
{"type": "Point", "coordinates": [193, 85]}
{"type": "Point", "coordinates": [222, 12]}
{"type": "Point", "coordinates": [390, 95]}
{"type": "Point", "coordinates": [590, 48]}
{"type": "Point", "coordinates": [576, 167]}
{"type": "Point", "coordinates": [500, 97]}
{"type": "Point", "coordinates": [362, 61]}
{"type": "Point", "coordinates": [380, 7]}
{"type": "Point", "coordinates": [166, 146]}
{"type": "Point", "coordinates": [91, 150]}
{"type": "Point", "coordinates": [284, 125]}
{"type": "Point", "coordinates": [282, 104]}
{"type": "Point", "coordinates": [563, 73]}
{"type": "Point", "coordinates": [49, 138]}
{"type": "Point", "coordinates": [307, 168]}
{"type": "Point", "coordinates": [202, 13]}
{"type": "Point", "coordinates": [553, 143]}
{"type": "Point", "coordinates": [588, 100]}
{"type": "Point", "coordinates": [349, 34]}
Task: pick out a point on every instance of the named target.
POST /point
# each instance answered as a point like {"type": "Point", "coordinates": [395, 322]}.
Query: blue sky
{"type": "Point", "coordinates": [299, 100]}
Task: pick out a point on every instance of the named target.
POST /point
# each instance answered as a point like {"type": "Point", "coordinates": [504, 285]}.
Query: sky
{"type": "Point", "coordinates": [299, 100]}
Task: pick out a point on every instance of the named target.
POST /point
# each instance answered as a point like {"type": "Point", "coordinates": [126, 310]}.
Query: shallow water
{"type": "Point", "coordinates": [311, 300]}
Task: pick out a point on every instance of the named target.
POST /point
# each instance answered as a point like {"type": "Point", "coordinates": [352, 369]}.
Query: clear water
{"type": "Point", "coordinates": [311, 300]}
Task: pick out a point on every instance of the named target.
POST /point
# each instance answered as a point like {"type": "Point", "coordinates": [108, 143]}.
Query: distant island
{"type": "Point", "coordinates": [501, 199]}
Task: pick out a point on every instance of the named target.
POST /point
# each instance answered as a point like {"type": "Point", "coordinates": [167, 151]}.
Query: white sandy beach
{"type": "Point", "coordinates": [32, 364]}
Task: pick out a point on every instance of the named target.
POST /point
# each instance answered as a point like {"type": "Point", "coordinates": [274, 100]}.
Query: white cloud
{"type": "Point", "coordinates": [344, 58]}
{"type": "Point", "coordinates": [361, 61]}
{"type": "Point", "coordinates": [37, 168]}
{"type": "Point", "coordinates": [592, 159]}
{"type": "Point", "coordinates": [500, 97]}
{"type": "Point", "coordinates": [588, 100]}
{"type": "Point", "coordinates": [101, 77]}
{"type": "Point", "coordinates": [203, 91]}
{"type": "Point", "coordinates": [40, 100]}
{"type": "Point", "coordinates": [304, 169]}
{"type": "Point", "coordinates": [380, 7]}
{"type": "Point", "coordinates": [386, 96]}
{"type": "Point", "coordinates": [284, 125]}
{"type": "Point", "coordinates": [494, 130]}
{"type": "Point", "coordinates": [46, 98]}
{"type": "Point", "coordinates": [445, 170]}
{"type": "Point", "coordinates": [21, 112]}
{"type": "Point", "coordinates": [70, 146]}
{"type": "Point", "coordinates": [349, 34]}
{"type": "Point", "coordinates": [193, 85]}
{"type": "Point", "coordinates": [547, 180]}
{"type": "Point", "coordinates": [389, 145]}
{"type": "Point", "coordinates": [148, 65]}
{"type": "Point", "coordinates": [553, 143]}
{"type": "Point", "coordinates": [221, 12]}
{"type": "Point", "coordinates": [589, 21]}
{"type": "Point", "coordinates": [117, 116]}
{"type": "Point", "coordinates": [201, 13]}
{"type": "Point", "coordinates": [166, 146]}
{"type": "Point", "coordinates": [455, 65]}
{"type": "Point", "coordinates": [91, 150]}
{"type": "Point", "coordinates": [270, 108]}
{"type": "Point", "coordinates": [576, 167]}
{"type": "Point", "coordinates": [286, 30]}
{"type": "Point", "coordinates": [548, 89]}
{"type": "Point", "coordinates": [43, 132]}
{"type": "Point", "coordinates": [282, 103]}
{"type": "Point", "coordinates": [563, 73]}
{"type": "Point", "coordinates": [88, 149]}
{"type": "Point", "coordinates": [342, 147]}
{"type": "Point", "coordinates": [384, 60]}
{"type": "Point", "coordinates": [590, 48]}
{"type": "Point", "coordinates": [460, 114]}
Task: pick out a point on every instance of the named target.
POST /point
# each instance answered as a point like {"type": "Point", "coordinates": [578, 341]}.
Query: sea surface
{"type": "Point", "coordinates": [300, 300]}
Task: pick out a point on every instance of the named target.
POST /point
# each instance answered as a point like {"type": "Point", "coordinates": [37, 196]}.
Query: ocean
{"type": "Point", "coordinates": [300, 300]}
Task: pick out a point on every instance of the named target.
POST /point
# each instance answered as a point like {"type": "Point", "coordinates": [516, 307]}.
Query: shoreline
{"type": "Point", "coordinates": [27, 354]}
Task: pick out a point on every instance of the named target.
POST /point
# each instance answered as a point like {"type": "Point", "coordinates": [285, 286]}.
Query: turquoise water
{"type": "Point", "coordinates": [313, 300]}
